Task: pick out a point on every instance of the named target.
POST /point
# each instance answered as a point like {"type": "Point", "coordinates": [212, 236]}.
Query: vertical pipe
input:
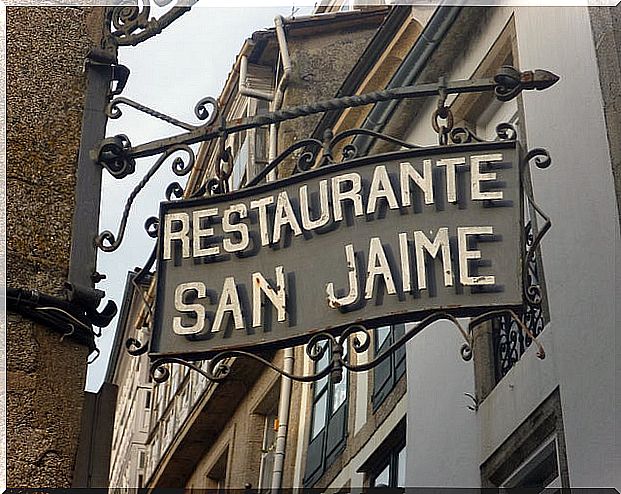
{"type": "Point", "coordinates": [279, 22]}
{"type": "Point", "coordinates": [283, 421]}
{"type": "Point", "coordinates": [285, 383]}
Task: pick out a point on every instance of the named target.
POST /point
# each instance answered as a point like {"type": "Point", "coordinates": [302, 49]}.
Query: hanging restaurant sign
{"type": "Point", "coordinates": [375, 240]}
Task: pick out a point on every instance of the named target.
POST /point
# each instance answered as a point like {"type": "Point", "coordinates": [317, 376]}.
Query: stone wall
{"type": "Point", "coordinates": [319, 65]}
{"type": "Point", "coordinates": [46, 82]}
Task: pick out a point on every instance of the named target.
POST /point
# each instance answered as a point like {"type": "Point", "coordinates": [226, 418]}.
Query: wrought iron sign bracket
{"type": "Point", "coordinates": [118, 156]}
{"type": "Point", "coordinates": [130, 25]}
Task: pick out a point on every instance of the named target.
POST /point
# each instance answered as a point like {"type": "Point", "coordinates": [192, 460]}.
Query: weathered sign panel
{"type": "Point", "coordinates": [375, 240]}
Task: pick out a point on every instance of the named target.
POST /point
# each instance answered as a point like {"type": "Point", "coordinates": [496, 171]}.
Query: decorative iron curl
{"type": "Point", "coordinates": [113, 156]}
{"type": "Point", "coordinates": [542, 160]}
{"type": "Point", "coordinates": [151, 226]}
{"type": "Point", "coordinates": [133, 26]}
{"type": "Point", "coordinates": [202, 112]}
{"type": "Point", "coordinates": [106, 240]}
{"type": "Point", "coordinates": [215, 186]}
{"type": "Point", "coordinates": [174, 189]}
{"type": "Point", "coordinates": [305, 161]}
{"type": "Point", "coordinates": [318, 345]}
{"type": "Point", "coordinates": [128, 18]}
{"type": "Point", "coordinates": [506, 131]}
{"type": "Point", "coordinates": [350, 151]}
{"type": "Point", "coordinates": [281, 157]}
{"type": "Point", "coordinates": [160, 373]}
{"type": "Point", "coordinates": [135, 347]}
{"type": "Point", "coordinates": [463, 135]}
{"type": "Point", "coordinates": [358, 345]}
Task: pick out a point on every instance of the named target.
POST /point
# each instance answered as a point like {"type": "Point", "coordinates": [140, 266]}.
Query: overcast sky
{"type": "Point", "coordinates": [170, 72]}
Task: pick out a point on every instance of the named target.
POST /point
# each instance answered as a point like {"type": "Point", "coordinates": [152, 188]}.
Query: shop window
{"type": "Point", "coordinates": [389, 371]}
{"type": "Point", "coordinates": [328, 428]}
{"type": "Point", "coordinates": [534, 454]}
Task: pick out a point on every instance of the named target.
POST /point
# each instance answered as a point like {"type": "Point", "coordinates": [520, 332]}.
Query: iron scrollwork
{"type": "Point", "coordinates": [511, 338]}
{"type": "Point", "coordinates": [219, 367]}
{"type": "Point", "coordinates": [129, 25]}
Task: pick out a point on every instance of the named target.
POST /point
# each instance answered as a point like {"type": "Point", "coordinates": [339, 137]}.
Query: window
{"type": "Point", "coordinates": [386, 467]}
{"type": "Point", "coordinates": [389, 371]}
{"type": "Point", "coordinates": [539, 471]}
{"type": "Point", "coordinates": [216, 478]}
{"type": "Point", "coordinates": [240, 164]}
{"type": "Point", "coordinates": [328, 422]}
{"type": "Point", "coordinates": [533, 456]}
{"type": "Point", "coordinates": [392, 472]}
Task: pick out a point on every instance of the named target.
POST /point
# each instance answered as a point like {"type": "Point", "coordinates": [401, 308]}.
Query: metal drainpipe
{"type": "Point", "coordinates": [243, 88]}
{"type": "Point", "coordinates": [279, 22]}
{"type": "Point", "coordinates": [283, 422]}
{"type": "Point", "coordinates": [415, 61]}
{"type": "Point", "coordinates": [285, 383]}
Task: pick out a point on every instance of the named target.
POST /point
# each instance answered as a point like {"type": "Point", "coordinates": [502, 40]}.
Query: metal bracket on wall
{"type": "Point", "coordinates": [129, 25]}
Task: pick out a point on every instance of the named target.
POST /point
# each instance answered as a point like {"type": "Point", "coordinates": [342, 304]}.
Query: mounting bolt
{"type": "Point", "coordinates": [96, 277]}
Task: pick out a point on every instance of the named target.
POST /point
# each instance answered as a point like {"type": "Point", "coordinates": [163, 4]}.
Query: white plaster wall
{"type": "Point", "coordinates": [443, 434]}
{"type": "Point", "coordinates": [442, 443]}
{"type": "Point", "coordinates": [578, 254]}
{"type": "Point", "coordinates": [446, 442]}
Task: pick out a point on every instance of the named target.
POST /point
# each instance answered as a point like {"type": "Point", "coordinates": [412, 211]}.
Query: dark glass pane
{"type": "Point", "coordinates": [314, 456]}
{"type": "Point", "coordinates": [381, 334]}
{"type": "Point", "coordinates": [335, 433]}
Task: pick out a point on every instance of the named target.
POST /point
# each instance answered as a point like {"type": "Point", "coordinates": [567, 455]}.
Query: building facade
{"type": "Point", "coordinates": [424, 416]}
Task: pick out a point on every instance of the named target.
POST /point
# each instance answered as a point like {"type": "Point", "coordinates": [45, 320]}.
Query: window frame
{"type": "Point", "coordinates": [328, 442]}
{"type": "Point", "coordinates": [395, 364]}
